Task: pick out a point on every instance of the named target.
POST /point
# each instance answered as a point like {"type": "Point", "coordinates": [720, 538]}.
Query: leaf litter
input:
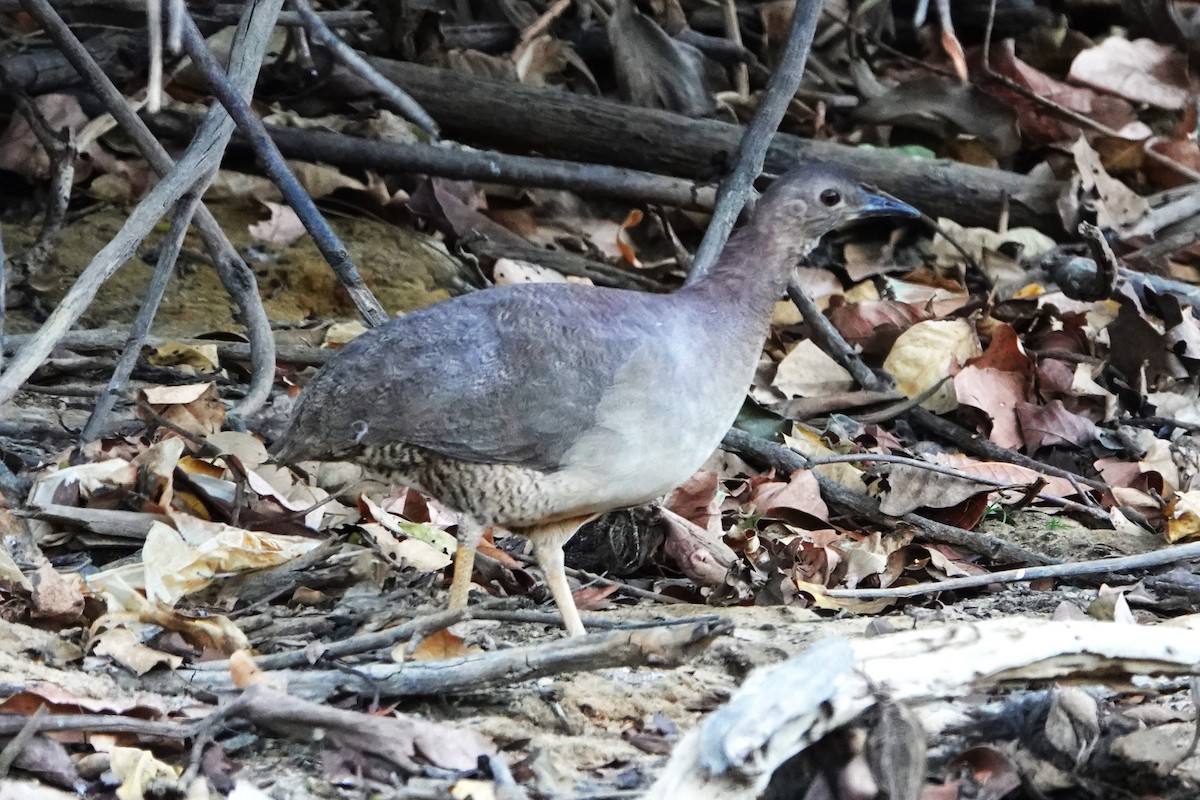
{"type": "Point", "coordinates": [187, 546]}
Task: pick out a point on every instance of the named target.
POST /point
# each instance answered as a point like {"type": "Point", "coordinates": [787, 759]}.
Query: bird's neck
{"type": "Point", "coordinates": [742, 287]}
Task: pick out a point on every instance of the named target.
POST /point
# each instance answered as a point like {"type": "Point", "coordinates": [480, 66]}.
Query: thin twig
{"type": "Point", "coordinates": [1099, 566]}
{"type": "Point", "coordinates": [543, 23]}
{"type": "Point", "coordinates": [12, 751]}
{"type": "Point", "coordinates": [235, 274]}
{"type": "Point", "coordinates": [733, 31]}
{"type": "Point", "coordinates": [752, 152]}
{"type": "Point", "coordinates": [977, 445]}
{"type": "Point", "coordinates": [326, 239]}
{"type": "Point", "coordinates": [409, 108]}
{"type": "Point", "coordinates": [356, 644]}
{"type": "Point", "coordinates": [823, 333]}
{"type": "Point", "coordinates": [60, 149]}
{"type": "Point", "coordinates": [590, 577]}
{"type": "Point", "coordinates": [952, 472]}
{"type": "Point", "coordinates": [491, 166]}
{"type": "Point", "coordinates": [200, 158]}
{"type": "Point", "coordinates": [169, 249]}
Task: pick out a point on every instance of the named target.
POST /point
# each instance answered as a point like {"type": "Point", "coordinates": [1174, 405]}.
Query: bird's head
{"type": "Point", "coordinates": [813, 200]}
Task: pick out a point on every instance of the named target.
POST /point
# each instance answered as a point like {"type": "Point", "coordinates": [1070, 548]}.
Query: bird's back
{"type": "Point", "coordinates": [554, 387]}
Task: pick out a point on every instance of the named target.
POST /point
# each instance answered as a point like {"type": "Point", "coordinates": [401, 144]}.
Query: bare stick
{"type": "Point", "coordinates": [973, 443]}
{"type": "Point", "coordinates": [105, 339]}
{"type": "Point", "coordinates": [661, 645]}
{"type": "Point", "coordinates": [752, 152]}
{"type": "Point", "coordinates": [598, 180]}
{"type": "Point", "coordinates": [185, 209]}
{"type": "Point", "coordinates": [362, 643]}
{"type": "Point", "coordinates": [951, 472]}
{"type": "Point", "coordinates": [733, 31]}
{"type": "Point", "coordinates": [832, 342]}
{"type": "Point", "coordinates": [12, 751]}
{"type": "Point", "coordinates": [60, 148]}
{"type": "Point", "coordinates": [1098, 566]}
{"type": "Point", "coordinates": [235, 274]}
{"type": "Point", "coordinates": [822, 332]}
{"type": "Point", "coordinates": [203, 156]}
{"type": "Point", "coordinates": [327, 241]}
{"type": "Point", "coordinates": [409, 108]}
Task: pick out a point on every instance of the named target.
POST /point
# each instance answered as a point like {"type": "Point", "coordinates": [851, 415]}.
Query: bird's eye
{"type": "Point", "coordinates": [830, 197]}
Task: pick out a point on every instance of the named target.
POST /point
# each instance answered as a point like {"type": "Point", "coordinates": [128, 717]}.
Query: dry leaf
{"type": "Point", "coordinates": [926, 353]}
{"type": "Point", "coordinates": [1143, 71]}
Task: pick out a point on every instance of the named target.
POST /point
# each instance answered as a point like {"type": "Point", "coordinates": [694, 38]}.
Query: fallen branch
{"type": "Point", "coordinates": [353, 152]}
{"type": "Point", "coordinates": [497, 114]}
{"type": "Point", "coordinates": [1097, 566]}
{"type": "Point", "coordinates": [398, 98]}
{"type": "Point", "coordinates": [662, 646]}
{"type": "Point", "coordinates": [784, 709]}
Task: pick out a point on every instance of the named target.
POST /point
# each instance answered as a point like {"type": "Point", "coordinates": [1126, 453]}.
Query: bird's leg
{"type": "Point", "coordinates": [470, 532]}
{"type": "Point", "coordinates": [548, 541]}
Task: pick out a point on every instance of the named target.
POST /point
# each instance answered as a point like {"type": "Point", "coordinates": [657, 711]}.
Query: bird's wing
{"type": "Point", "coordinates": [501, 376]}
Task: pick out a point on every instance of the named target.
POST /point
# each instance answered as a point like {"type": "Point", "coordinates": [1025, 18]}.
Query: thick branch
{"type": "Point", "coordinates": [497, 114]}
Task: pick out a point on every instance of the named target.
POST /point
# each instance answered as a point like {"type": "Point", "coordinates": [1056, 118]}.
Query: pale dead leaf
{"type": "Point", "coordinates": [122, 646]}
{"type": "Point", "coordinates": [466, 789]}
{"type": "Point", "coordinates": [340, 334]}
{"type": "Point", "coordinates": [1143, 71]}
{"type": "Point", "coordinates": [137, 769]}
{"type": "Point", "coordinates": [807, 371]}
{"type": "Point", "coordinates": [1117, 206]}
{"type": "Point", "coordinates": [17, 789]}
{"type": "Point", "coordinates": [283, 227]}
{"type": "Point", "coordinates": [424, 532]}
{"type": "Point", "coordinates": [10, 573]}
{"type": "Point", "coordinates": [196, 408]}
{"type": "Point", "coordinates": [911, 487]}
{"type": "Point", "coordinates": [801, 493]}
{"type": "Point", "coordinates": [197, 358]}
{"type": "Point", "coordinates": [246, 447]}
{"type": "Point", "coordinates": [1003, 472]}
{"type": "Point", "coordinates": [179, 562]}
{"type": "Point", "coordinates": [57, 597]}
{"type": "Point", "coordinates": [113, 473]}
{"type": "Point", "coordinates": [175, 395]}
{"type": "Point", "coordinates": [508, 271]}
{"type": "Point", "coordinates": [231, 185]}
{"type": "Point", "coordinates": [1183, 516]}
{"type": "Point", "coordinates": [808, 443]}
{"type": "Point", "coordinates": [406, 552]}
{"type": "Point", "coordinates": [320, 180]}
{"type": "Point", "coordinates": [926, 353]}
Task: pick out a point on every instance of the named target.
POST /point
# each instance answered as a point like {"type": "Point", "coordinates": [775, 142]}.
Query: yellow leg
{"type": "Point", "coordinates": [470, 533]}
{"type": "Point", "coordinates": [548, 541]}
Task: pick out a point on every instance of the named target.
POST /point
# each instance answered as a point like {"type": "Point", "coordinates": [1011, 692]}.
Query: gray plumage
{"type": "Point", "coordinates": [527, 406]}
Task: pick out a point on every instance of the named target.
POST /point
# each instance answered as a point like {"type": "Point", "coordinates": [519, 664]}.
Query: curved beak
{"type": "Point", "coordinates": [879, 206]}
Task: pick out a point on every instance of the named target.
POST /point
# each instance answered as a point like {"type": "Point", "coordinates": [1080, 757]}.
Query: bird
{"type": "Point", "coordinates": [535, 408]}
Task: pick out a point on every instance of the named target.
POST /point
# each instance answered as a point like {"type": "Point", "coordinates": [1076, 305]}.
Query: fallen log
{"type": "Point", "coordinates": [518, 118]}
